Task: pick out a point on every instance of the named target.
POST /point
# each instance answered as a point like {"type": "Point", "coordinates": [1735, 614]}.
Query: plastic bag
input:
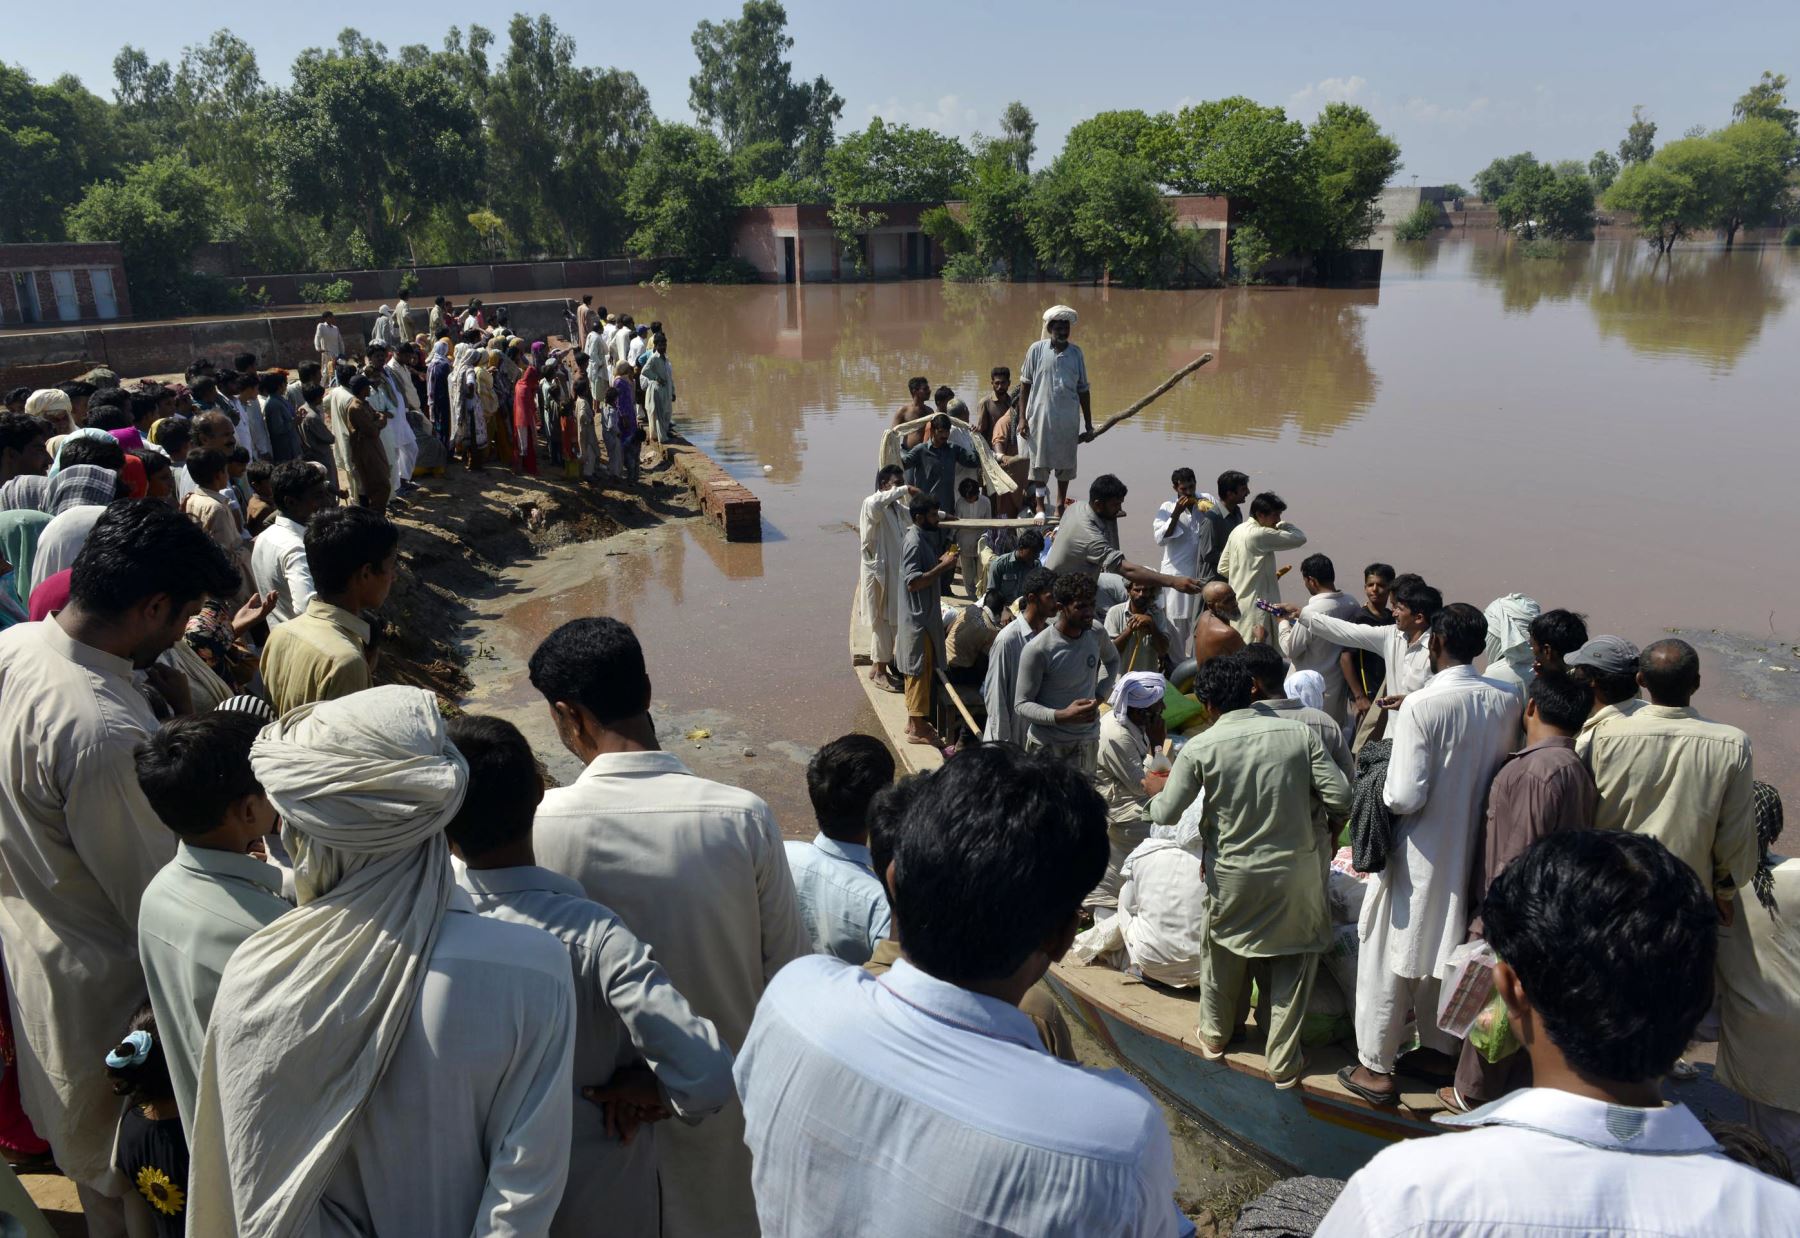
{"type": "Point", "coordinates": [1467, 987]}
{"type": "Point", "coordinates": [1492, 1032]}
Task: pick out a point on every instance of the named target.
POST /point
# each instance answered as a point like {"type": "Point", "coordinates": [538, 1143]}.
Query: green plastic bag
{"type": "Point", "coordinates": [1179, 709]}
{"type": "Point", "coordinates": [1492, 1032]}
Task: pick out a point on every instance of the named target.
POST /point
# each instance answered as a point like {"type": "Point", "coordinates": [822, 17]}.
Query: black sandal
{"type": "Point", "coordinates": [1385, 1100]}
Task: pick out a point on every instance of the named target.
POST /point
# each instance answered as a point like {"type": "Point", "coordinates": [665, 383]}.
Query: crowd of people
{"type": "Point", "coordinates": [287, 950]}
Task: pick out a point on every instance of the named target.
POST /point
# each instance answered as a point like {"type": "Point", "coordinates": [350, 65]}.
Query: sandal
{"type": "Point", "coordinates": [1452, 1100]}
{"type": "Point", "coordinates": [1385, 1100]}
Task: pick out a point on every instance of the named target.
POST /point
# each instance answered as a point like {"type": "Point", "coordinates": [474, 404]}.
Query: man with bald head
{"type": "Point", "coordinates": [1665, 771]}
{"type": "Point", "coordinates": [1215, 633]}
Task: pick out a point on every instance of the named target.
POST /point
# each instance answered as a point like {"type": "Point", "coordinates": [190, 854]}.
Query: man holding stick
{"type": "Point", "coordinates": [1053, 393]}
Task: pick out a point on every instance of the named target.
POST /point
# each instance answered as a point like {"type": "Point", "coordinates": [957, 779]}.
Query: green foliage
{"type": "Point", "coordinates": [1250, 252]}
{"type": "Point", "coordinates": [54, 141]}
{"type": "Point", "coordinates": [1102, 214]}
{"type": "Point", "coordinates": [1767, 100]}
{"type": "Point", "coordinates": [942, 226]}
{"type": "Point", "coordinates": [1664, 196]}
{"type": "Point", "coordinates": [1603, 170]}
{"type": "Point", "coordinates": [1639, 142]}
{"type": "Point", "coordinates": [336, 292]}
{"type": "Point", "coordinates": [158, 213]}
{"type": "Point", "coordinates": [1420, 223]}
{"type": "Point", "coordinates": [1492, 182]}
{"type": "Point", "coordinates": [492, 231]}
{"type": "Point", "coordinates": [1019, 130]}
{"type": "Point", "coordinates": [1556, 202]}
{"type": "Point", "coordinates": [996, 196]}
{"type": "Point", "coordinates": [745, 90]}
{"type": "Point", "coordinates": [895, 163]}
{"type": "Point", "coordinates": [1351, 159]}
{"type": "Point", "coordinates": [850, 225]}
{"type": "Point", "coordinates": [259, 298]}
{"type": "Point", "coordinates": [966, 268]}
{"type": "Point", "coordinates": [1248, 152]}
{"type": "Point", "coordinates": [409, 283]}
{"type": "Point", "coordinates": [1542, 247]}
{"type": "Point", "coordinates": [1454, 190]}
{"type": "Point", "coordinates": [1754, 155]}
{"type": "Point", "coordinates": [1122, 133]}
{"type": "Point", "coordinates": [680, 194]}
{"type": "Point", "coordinates": [1791, 237]}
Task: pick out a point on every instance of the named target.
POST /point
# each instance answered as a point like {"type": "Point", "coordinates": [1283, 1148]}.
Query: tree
{"type": "Point", "coordinates": [1555, 202]}
{"type": "Point", "coordinates": [1639, 142]}
{"type": "Point", "coordinates": [1603, 170]}
{"type": "Point", "coordinates": [1101, 213]}
{"type": "Point", "coordinates": [1352, 159]}
{"type": "Point", "coordinates": [1751, 178]}
{"type": "Point", "coordinates": [1665, 200]}
{"type": "Point", "coordinates": [1493, 181]}
{"type": "Point", "coordinates": [1767, 100]}
{"type": "Point", "coordinates": [745, 90]}
{"type": "Point", "coordinates": [1123, 133]}
{"type": "Point", "coordinates": [1018, 128]}
{"type": "Point", "coordinates": [54, 140]}
{"type": "Point", "coordinates": [680, 195]}
{"type": "Point", "coordinates": [158, 213]}
{"type": "Point", "coordinates": [895, 163]}
{"type": "Point", "coordinates": [997, 194]}
{"type": "Point", "coordinates": [1250, 153]}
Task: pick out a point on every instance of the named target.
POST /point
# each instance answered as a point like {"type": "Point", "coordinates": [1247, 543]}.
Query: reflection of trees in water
{"type": "Point", "coordinates": [1708, 304]}
{"type": "Point", "coordinates": [1524, 281]}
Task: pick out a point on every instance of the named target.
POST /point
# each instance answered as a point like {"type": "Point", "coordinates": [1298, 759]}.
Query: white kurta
{"type": "Point", "coordinates": [1053, 410]}
{"type": "Point", "coordinates": [1179, 541]}
{"type": "Point", "coordinates": [278, 562]}
{"type": "Point", "coordinates": [1248, 564]}
{"type": "Point", "coordinates": [337, 416]}
{"type": "Point", "coordinates": [1162, 912]}
{"type": "Point", "coordinates": [696, 870]}
{"type": "Point", "coordinates": [881, 528]}
{"type": "Point", "coordinates": [1450, 737]}
{"type": "Point", "coordinates": [78, 844]}
{"type": "Point", "coordinates": [1314, 651]}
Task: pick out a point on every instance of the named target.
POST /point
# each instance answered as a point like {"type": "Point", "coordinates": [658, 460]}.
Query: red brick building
{"type": "Point", "coordinates": [52, 284]}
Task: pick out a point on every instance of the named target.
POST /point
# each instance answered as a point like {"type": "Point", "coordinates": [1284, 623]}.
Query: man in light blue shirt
{"type": "Point", "coordinates": [843, 904]}
{"type": "Point", "coordinates": [922, 1101]}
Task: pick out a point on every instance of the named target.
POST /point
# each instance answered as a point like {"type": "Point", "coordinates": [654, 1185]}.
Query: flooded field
{"type": "Point", "coordinates": [1598, 431]}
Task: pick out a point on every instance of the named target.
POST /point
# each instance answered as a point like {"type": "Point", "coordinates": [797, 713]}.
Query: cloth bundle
{"type": "Point", "coordinates": [1371, 825]}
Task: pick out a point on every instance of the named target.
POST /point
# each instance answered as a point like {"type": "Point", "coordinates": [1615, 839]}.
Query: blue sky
{"type": "Point", "coordinates": [1456, 84]}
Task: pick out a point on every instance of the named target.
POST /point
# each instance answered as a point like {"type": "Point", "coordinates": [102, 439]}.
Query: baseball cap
{"type": "Point", "coordinates": [1610, 655]}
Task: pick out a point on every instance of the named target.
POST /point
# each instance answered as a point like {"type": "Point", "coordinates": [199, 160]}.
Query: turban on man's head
{"type": "Point", "coordinates": [1059, 313]}
{"type": "Point", "coordinates": [1137, 690]}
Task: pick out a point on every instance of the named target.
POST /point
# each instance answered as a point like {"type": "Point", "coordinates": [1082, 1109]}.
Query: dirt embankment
{"type": "Point", "coordinates": [459, 531]}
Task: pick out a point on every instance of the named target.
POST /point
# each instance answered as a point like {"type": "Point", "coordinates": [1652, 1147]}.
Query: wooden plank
{"type": "Point", "coordinates": [996, 522]}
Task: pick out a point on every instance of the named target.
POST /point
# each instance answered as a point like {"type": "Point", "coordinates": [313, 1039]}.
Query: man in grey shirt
{"type": "Point", "coordinates": [1217, 522]}
{"type": "Point", "coordinates": [931, 466]}
{"type": "Point", "coordinates": [1087, 541]}
{"type": "Point", "coordinates": [1063, 673]}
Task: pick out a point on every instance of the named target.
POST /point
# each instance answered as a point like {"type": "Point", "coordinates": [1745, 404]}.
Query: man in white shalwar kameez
{"type": "Point", "coordinates": [381, 1059]}
{"type": "Point", "coordinates": [881, 528]}
{"type": "Point", "coordinates": [1176, 529]}
{"type": "Point", "coordinates": [78, 840]}
{"type": "Point", "coordinates": [695, 869]}
{"type": "Point", "coordinates": [1449, 739]}
{"type": "Point", "coordinates": [1053, 391]}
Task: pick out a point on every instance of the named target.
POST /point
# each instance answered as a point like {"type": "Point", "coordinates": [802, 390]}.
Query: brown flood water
{"type": "Point", "coordinates": [1598, 431]}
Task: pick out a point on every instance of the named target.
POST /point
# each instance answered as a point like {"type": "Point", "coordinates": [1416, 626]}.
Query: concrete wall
{"type": "Point", "coordinates": [35, 265]}
{"type": "Point", "coordinates": [1397, 202]}
{"type": "Point", "coordinates": [481, 279]}
{"type": "Point", "coordinates": [760, 234]}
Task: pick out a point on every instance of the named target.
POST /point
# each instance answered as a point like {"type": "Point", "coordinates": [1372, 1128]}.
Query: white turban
{"type": "Point", "coordinates": [47, 402]}
{"type": "Point", "coordinates": [1137, 690]}
{"type": "Point", "coordinates": [1059, 313]}
{"type": "Point", "coordinates": [1307, 687]}
{"type": "Point", "coordinates": [1509, 629]}
{"type": "Point", "coordinates": [313, 1005]}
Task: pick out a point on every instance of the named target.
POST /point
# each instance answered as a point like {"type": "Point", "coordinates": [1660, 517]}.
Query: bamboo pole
{"type": "Point", "coordinates": [1139, 407]}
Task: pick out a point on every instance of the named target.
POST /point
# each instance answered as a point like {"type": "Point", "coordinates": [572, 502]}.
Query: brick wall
{"type": "Point", "coordinates": [35, 263]}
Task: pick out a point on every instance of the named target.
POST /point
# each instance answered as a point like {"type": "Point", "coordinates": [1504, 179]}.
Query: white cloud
{"type": "Point", "coordinates": [1303, 103]}
{"type": "Point", "coordinates": [949, 114]}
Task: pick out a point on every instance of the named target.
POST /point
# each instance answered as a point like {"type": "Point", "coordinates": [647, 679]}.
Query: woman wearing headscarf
{"type": "Point", "coordinates": [75, 436]}
{"type": "Point", "coordinates": [489, 391]}
{"type": "Point", "coordinates": [20, 531]}
{"type": "Point", "coordinates": [81, 485]}
{"type": "Point", "coordinates": [1509, 657]}
{"type": "Point", "coordinates": [295, 1132]}
{"type": "Point", "coordinates": [525, 411]}
{"type": "Point", "coordinates": [438, 389]}
{"type": "Point", "coordinates": [468, 425]}
{"type": "Point", "coordinates": [54, 407]}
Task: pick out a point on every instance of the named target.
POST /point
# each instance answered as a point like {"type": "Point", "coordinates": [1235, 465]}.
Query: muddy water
{"type": "Point", "coordinates": [1598, 431]}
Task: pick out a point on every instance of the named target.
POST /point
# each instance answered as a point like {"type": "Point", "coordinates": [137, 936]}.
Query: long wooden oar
{"type": "Point", "coordinates": [1139, 407]}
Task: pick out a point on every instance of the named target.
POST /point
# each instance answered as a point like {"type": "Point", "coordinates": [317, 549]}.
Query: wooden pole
{"type": "Point", "coordinates": [1139, 407]}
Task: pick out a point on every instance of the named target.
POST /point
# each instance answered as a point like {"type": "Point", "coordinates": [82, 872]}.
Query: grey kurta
{"type": "Point", "coordinates": [625, 1010]}
{"type": "Point", "coordinates": [1265, 876]}
{"type": "Point", "coordinates": [696, 870]}
{"type": "Point", "coordinates": [659, 395]}
{"type": "Point", "coordinates": [922, 623]}
{"type": "Point", "coordinates": [1053, 413]}
{"type": "Point", "coordinates": [78, 844]}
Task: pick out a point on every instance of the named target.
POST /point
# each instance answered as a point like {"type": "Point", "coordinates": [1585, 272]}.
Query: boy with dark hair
{"type": "Point", "coordinates": [278, 559]}
{"type": "Point", "coordinates": [626, 1008]}
{"type": "Point", "coordinates": [1248, 562]}
{"type": "Point", "coordinates": [841, 899]}
{"type": "Point", "coordinates": [22, 450]}
{"type": "Point", "coordinates": [1064, 671]}
{"type": "Point", "coordinates": [1555, 635]}
{"type": "Point", "coordinates": [861, 1087]}
{"type": "Point", "coordinates": [261, 510]}
{"type": "Point", "coordinates": [202, 904]}
{"type": "Point", "coordinates": [1607, 944]}
{"type": "Point", "coordinates": [1006, 573]}
{"type": "Point", "coordinates": [321, 653]}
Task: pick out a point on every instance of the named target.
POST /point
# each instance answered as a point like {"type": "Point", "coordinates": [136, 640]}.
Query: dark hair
{"type": "Point", "coordinates": [1561, 630]}
{"type": "Point", "coordinates": [1224, 683]}
{"type": "Point", "coordinates": [943, 393]}
{"type": "Point", "coordinates": [1385, 571]}
{"type": "Point", "coordinates": [259, 471]}
{"type": "Point", "coordinates": [886, 811]}
{"type": "Point", "coordinates": [1268, 503]}
{"type": "Point", "coordinates": [941, 422]}
{"type": "Point", "coordinates": [919, 383]}
{"type": "Point", "coordinates": [77, 389]}
{"type": "Point", "coordinates": [144, 403]}
{"type": "Point", "coordinates": [312, 393]}
{"type": "Point", "coordinates": [342, 540]}
{"type": "Point", "coordinates": [1613, 940]}
{"type": "Point", "coordinates": [243, 362]}
{"type": "Point", "coordinates": [1670, 670]}
{"type": "Point", "coordinates": [1320, 569]}
{"type": "Point", "coordinates": [1030, 539]}
{"type": "Point", "coordinates": [272, 383]}
{"type": "Point", "coordinates": [921, 505]}
{"type": "Point", "coordinates": [240, 454]}
{"type": "Point", "coordinates": [1000, 371]}
{"type": "Point", "coordinates": [108, 452]}
{"type": "Point", "coordinates": [1074, 588]}
{"type": "Point", "coordinates": [19, 430]}
{"type": "Point", "coordinates": [1742, 1144]}
{"type": "Point", "coordinates": [137, 550]}
{"type": "Point", "coordinates": [18, 395]}
{"type": "Point", "coordinates": [1231, 480]}
{"type": "Point", "coordinates": [1105, 488]}
{"type": "Point", "coordinates": [203, 387]}
{"type": "Point", "coordinates": [1036, 581]}
{"type": "Point", "coordinates": [177, 432]}
{"type": "Point", "coordinates": [1413, 593]}
{"type": "Point", "coordinates": [205, 465]}
{"type": "Point", "coordinates": [356, 384]}
{"type": "Point", "coordinates": [307, 372]}
{"type": "Point", "coordinates": [294, 481]}
{"type": "Point", "coordinates": [1182, 475]}
{"type": "Point", "coordinates": [889, 470]}
{"type": "Point", "coordinates": [1461, 630]}
{"type": "Point", "coordinates": [505, 785]}
{"type": "Point", "coordinates": [1267, 667]}
{"type": "Point", "coordinates": [1613, 686]}
{"type": "Point", "coordinates": [147, 1082]}
{"type": "Point", "coordinates": [841, 780]}
{"type": "Point", "coordinates": [994, 855]}
{"type": "Point", "coordinates": [596, 663]}
{"type": "Point", "coordinates": [1561, 702]}
{"type": "Point", "coordinates": [327, 314]}
{"type": "Point", "coordinates": [193, 769]}
{"type": "Point", "coordinates": [109, 418]}
{"type": "Point", "coordinates": [154, 462]}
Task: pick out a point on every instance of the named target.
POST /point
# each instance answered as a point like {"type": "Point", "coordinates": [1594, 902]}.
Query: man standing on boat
{"type": "Point", "coordinates": [881, 528]}
{"type": "Point", "coordinates": [1063, 672]}
{"type": "Point", "coordinates": [1053, 392]}
{"type": "Point", "coordinates": [927, 556]}
{"type": "Point", "coordinates": [1037, 603]}
{"type": "Point", "coordinates": [1087, 541]}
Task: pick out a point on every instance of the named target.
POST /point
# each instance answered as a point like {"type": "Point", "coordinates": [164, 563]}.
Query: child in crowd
{"type": "Point", "coordinates": [261, 511]}
{"type": "Point", "coordinates": [625, 394]}
{"type": "Point", "coordinates": [152, 1153]}
{"type": "Point", "coordinates": [584, 421]}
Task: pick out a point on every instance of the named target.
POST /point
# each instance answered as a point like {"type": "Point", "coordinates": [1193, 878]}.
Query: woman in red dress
{"type": "Point", "coordinates": [525, 410]}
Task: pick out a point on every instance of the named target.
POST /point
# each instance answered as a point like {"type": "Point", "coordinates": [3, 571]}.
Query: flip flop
{"type": "Point", "coordinates": [1452, 1100]}
{"type": "Point", "coordinates": [886, 685]}
{"type": "Point", "coordinates": [1386, 1100]}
